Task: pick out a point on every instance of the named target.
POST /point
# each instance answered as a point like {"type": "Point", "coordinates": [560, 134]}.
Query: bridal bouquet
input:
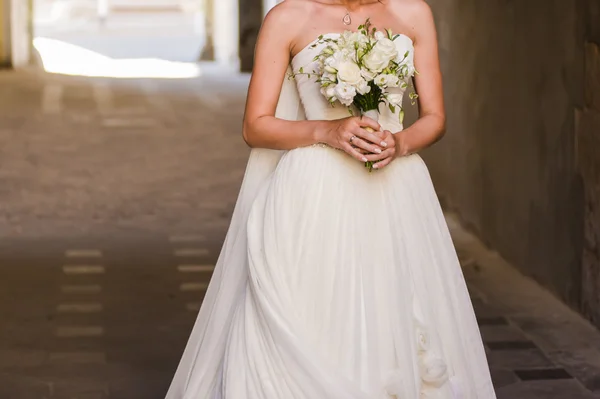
{"type": "Point", "coordinates": [358, 68]}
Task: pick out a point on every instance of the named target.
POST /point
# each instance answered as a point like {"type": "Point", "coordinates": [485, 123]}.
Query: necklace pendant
{"type": "Point", "coordinates": [347, 20]}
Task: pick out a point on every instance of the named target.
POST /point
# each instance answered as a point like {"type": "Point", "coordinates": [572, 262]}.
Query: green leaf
{"type": "Point", "coordinates": [301, 69]}
{"type": "Point", "coordinates": [392, 108]}
{"type": "Point", "coordinates": [401, 115]}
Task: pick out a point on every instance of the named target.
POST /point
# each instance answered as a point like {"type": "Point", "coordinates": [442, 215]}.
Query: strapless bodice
{"type": "Point", "coordinates": [316, 106]}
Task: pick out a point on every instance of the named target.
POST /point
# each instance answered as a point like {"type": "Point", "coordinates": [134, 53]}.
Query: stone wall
{"type": "Point", "coordinates": [588, 156]}
{"type": "Point", "coordinates": [520, 160]}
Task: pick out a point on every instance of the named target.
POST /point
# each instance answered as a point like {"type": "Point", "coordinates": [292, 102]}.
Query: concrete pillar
{"type": "Point", "coordinates": [226, 33]}
{"type": "Point", "coordinates": [103, 10]}
{"type": "Point", "coordinates": [208, 51]}
{"type": "Point", "coordinates": [21, 32]}
{"type": "Point", "coordinates": [4, 34]}
{"type": "Point", "coordinates": [16, 32]}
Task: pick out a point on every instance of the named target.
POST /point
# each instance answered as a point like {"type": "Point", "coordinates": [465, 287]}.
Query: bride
{"type": "Point", "coordinates": [333, 282]}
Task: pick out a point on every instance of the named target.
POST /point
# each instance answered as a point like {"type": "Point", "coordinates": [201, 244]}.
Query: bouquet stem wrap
{"type": "Point", "coordinates": [373, 114]}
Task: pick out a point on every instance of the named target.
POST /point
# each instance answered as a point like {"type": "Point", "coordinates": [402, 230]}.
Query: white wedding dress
{"type": "Point", "coordinates": [334, 283]}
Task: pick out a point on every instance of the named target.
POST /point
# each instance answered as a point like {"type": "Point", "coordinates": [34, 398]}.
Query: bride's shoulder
{"type": "Point", "coordinates": [416, 16]}
{"type": "Point", "coordinates": [288, 12]}
{"type": "Point", "coordinates": [288, 19]}
{"type": "Point", "coordinates": [412, 9]}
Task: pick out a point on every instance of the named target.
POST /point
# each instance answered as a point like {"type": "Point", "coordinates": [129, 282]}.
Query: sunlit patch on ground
{"type": "Point", "coordinates": [67, 59]}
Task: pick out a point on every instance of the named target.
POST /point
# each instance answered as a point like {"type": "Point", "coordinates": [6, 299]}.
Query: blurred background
{"type": "Point", "coordinates": [121, 156]}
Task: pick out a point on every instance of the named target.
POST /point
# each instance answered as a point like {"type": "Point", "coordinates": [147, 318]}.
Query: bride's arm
{"type": "Point", "coordinates": [431, 125]}
{"type": "Point", "coordinates": [272, 56]}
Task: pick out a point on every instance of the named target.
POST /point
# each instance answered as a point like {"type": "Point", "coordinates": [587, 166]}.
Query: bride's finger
{"type": "Point", "coordinates": [366, 146]}
{"type": "Point", "coordinates": [372, 137]}
{"type": "Point", "coordinates": [374, 157]}
{"type": "Point", "coordinates": [382, 163]}
{"type": "Point", "coordinates": [365, 121]}
{"type": "Point", "coordinates": [353, 152]}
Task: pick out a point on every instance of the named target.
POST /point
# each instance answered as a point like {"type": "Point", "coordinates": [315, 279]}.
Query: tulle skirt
{"type": "Point", "coordinates": [354, 291]}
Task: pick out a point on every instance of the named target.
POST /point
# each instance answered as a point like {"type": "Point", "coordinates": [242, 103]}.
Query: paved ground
{"type": "Point", "coordinates": [114, 199]}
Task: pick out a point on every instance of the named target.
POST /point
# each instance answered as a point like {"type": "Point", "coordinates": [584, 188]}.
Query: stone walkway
{"type": "Point", "coordinates": [114, 199]}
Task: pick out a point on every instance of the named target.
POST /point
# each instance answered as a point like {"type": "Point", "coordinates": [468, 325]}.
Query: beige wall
{"type": "Point", "coordinates": [518, 162]}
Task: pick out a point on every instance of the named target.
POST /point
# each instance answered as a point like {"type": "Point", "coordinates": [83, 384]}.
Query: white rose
{"type": "Point", "coordinates": [387, 48]}
{"type": "Point", "coordinates": [334, 60]}
{"type": "Point", "coordinates": [379, 35]}
{"type": "Point", "coordinates": [375, 61]}
{"type": "Point", "coordinates": [345, 93]}
{"type": "Point", "coordinates": [363, 87]}
{"type": "Point", "coordinates": [368, 75]}
{"type": "Point", "coordinates": [433, 370]}
{"type": "Point", "coordinates": [394, 98]}
{"type": "Point", "coordinates": [349, 72]}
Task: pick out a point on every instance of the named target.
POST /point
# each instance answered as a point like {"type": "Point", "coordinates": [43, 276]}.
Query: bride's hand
{"type": "Point", "coordinates": [391, 151]}
{"type": "Point", "coordinates": [349, 135]}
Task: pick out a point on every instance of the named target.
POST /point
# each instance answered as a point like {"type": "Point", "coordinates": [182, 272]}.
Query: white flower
{"type": "Point", "coordinates": [330, 77]}
{"type": "Point", "coordinates": [387, 48]}
{"type": "Point", "coordinates": [380, 55]}
{"type": "Point", "coordinates": [433, 370]}
{"type": "Point", "coordinates": [368, 75]}
{"type": "Point", "coordinates": [345, 93]}
{"type": "Point", "coordinates": [387, 80]}
{"type": "Point", "coordinates": [328, 91]}
{"type": "Point", "coordinates": [379, 35]}
{"type": "Point", "coordinates": [394, 98]}
{"type": "Point", "coordinates": [363, 87]}
{"type": "Point", "coordinates": [422, 340]}
{"type": "Point", "coordinates": [349, 72]}
{"type": "Point", "coordinates": [375, 61]}
{"type": "Point", "coordinates": [349, 39]}
{"type": "Point", "coordinates": [334, 60]}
